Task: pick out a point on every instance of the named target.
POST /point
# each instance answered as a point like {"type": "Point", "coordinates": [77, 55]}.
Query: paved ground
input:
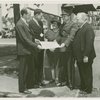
{"type": "Point", "coordinates": [9, 88]}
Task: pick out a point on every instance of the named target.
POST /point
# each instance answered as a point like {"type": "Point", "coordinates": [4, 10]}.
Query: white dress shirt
{"type": "Point", "coordinates": [83, 24]}
{"type": "Point", "coordinates": [24, 21]}
{"type": "Point", "coordinates": [36, 21]}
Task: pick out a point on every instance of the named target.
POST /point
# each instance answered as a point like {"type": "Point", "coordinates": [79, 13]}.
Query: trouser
{"type": "Point", "coordinates": [86, 77]}
{"type": "Point", "coordinates": [39, 67]}
{"type": "Point", "coordinates": [67, 69]}
{"type": "Point", "coordinates": [26, 72]}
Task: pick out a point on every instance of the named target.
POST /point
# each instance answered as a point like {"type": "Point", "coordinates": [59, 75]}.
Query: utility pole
{"type": "Point", "coordinates": [16, 11]}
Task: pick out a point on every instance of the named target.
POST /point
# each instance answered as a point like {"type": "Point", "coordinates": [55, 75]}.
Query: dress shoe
{"type": "Point", "coordinates": [82, 92]}
{"type": "Point", "coordinates": [56, 81]}
{"type": "Point", "coordinates": [63, 83]}
{"type": "Point", "coordinates": [26, 92]}
{"type": "Point", "coordinates": [52, 81]}
{"type": "Point", "coordinates": [70, 86]}
{"type": "Point", "coordinates": [59, 84]}
{"type": "Point", "coordinates": [86, 91]}
{"type": "Point", "coordinates": [42, 84]}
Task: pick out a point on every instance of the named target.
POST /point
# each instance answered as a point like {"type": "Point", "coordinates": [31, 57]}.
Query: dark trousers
{"type": "Point", "coordinates": [67, 69]}
{"type": "Point", "coordinates": [85, 71]}
{"type": "Point", "coordinates": [26, 72]}
{"type": "Point", "coordinates": [39, 67]}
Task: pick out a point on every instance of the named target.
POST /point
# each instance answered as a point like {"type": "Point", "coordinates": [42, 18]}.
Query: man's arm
{"type": "Point", "coordinates": [89, 41]}
{"type": "Point", "coordinates": [70, 38]}
{"type": "Point", "coordinates": [22, 34]}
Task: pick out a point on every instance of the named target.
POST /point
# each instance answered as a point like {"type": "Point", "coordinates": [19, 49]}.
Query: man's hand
{"type": "Point", "coordinates": [85, 59]}
{"type": "Point", "coordinates": [52, 50]}
{"type": "Point", "coordinates": [62, 45]}
{"type": "Point", "coordinates": [37, 41]}
{"type": "Point", "coordinates": [39, 47]}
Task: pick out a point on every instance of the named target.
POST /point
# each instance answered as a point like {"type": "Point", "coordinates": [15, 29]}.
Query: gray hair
{"type": "Point", "coordinates": [83, 16]}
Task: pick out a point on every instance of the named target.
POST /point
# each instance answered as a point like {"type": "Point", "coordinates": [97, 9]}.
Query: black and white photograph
{"type": "Point", "coordinates": [49, 49]}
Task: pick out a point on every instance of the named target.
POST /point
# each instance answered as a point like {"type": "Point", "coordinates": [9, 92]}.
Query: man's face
{"type": "Point", "coordinates": [54, 25]}
{"type": "Point", "coordinates": [80, 19]}
{"type": "Point", "coordinates": [65, 17]}
{"type": "Point", "coordinates": [27, 16]}
{"type": "Point", "coordinates": [45, 29]}
{"type": "Point", "coordinates": [40, 16]}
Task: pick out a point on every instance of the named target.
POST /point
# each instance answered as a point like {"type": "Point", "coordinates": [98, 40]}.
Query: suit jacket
{"type": "Point", "coordinates": [83, 44]}
{"type": "Point", "coordinates": [67, 32]}
{"type": "Point", "coordinates": [24, 39]}
{"type": "Point", "coordinates": [36, 30]}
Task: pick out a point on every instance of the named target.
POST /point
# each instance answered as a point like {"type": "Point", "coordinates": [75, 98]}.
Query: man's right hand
{"type": "Point", "coordinates": [62, 45]}
{"type": "Point", "coordinates": [52, 50]}
{"type": "Point", "coordinates": [39, 47]}
{"type": "Point", "coordinates": [37, 41]}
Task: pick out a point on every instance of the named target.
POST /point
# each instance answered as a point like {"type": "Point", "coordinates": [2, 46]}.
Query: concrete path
{"type": "Point", "coordinates": [9, 87]}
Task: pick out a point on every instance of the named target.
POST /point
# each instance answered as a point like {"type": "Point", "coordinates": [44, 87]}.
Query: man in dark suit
{"type": "Point", "coordinates": [66, 61]}
{"type": "Point", "coordinates": [84, 52]}
{"type": "Point", "coordinates": [25, 49]}
{"type": "Point", "coordinates": [36, 28]}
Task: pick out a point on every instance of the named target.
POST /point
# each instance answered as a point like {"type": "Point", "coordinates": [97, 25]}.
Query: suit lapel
{"type": "Point", "coordinates": [37, 25]}
{"type": "Point", "coordinates": [26, 26]}
{"type": "Point", "coordinates": [81, 29]}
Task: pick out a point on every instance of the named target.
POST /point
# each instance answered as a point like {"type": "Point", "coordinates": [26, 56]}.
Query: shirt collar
{"type": "Point", "coordinates": [24, 21]}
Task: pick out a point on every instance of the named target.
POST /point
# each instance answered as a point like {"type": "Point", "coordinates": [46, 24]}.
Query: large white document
{"type": "Point", "coordinates": [49, 45]}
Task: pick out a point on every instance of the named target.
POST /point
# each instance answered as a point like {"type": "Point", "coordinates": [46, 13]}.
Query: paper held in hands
{"type": "Point", "coordinates": [49, 45]}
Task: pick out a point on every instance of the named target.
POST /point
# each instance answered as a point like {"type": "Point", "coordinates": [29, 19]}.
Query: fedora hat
{"type": "Point", "coordinates": [67, 9]}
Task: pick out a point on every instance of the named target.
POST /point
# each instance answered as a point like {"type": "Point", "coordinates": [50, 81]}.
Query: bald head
{"type": "Point", "coordinates": [82, 17]}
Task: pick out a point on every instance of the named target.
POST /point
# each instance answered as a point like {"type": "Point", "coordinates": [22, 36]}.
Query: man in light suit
{"type": "Point", "coordinates": [25, 49]}
{"type": "Point", "coordinates": [36, 28]}
{"type": "Point", "coordinates": [84, 52]}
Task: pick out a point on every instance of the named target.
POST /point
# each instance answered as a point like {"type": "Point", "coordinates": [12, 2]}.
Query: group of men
{"type": "Point", "coordinates": [30, 52]}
